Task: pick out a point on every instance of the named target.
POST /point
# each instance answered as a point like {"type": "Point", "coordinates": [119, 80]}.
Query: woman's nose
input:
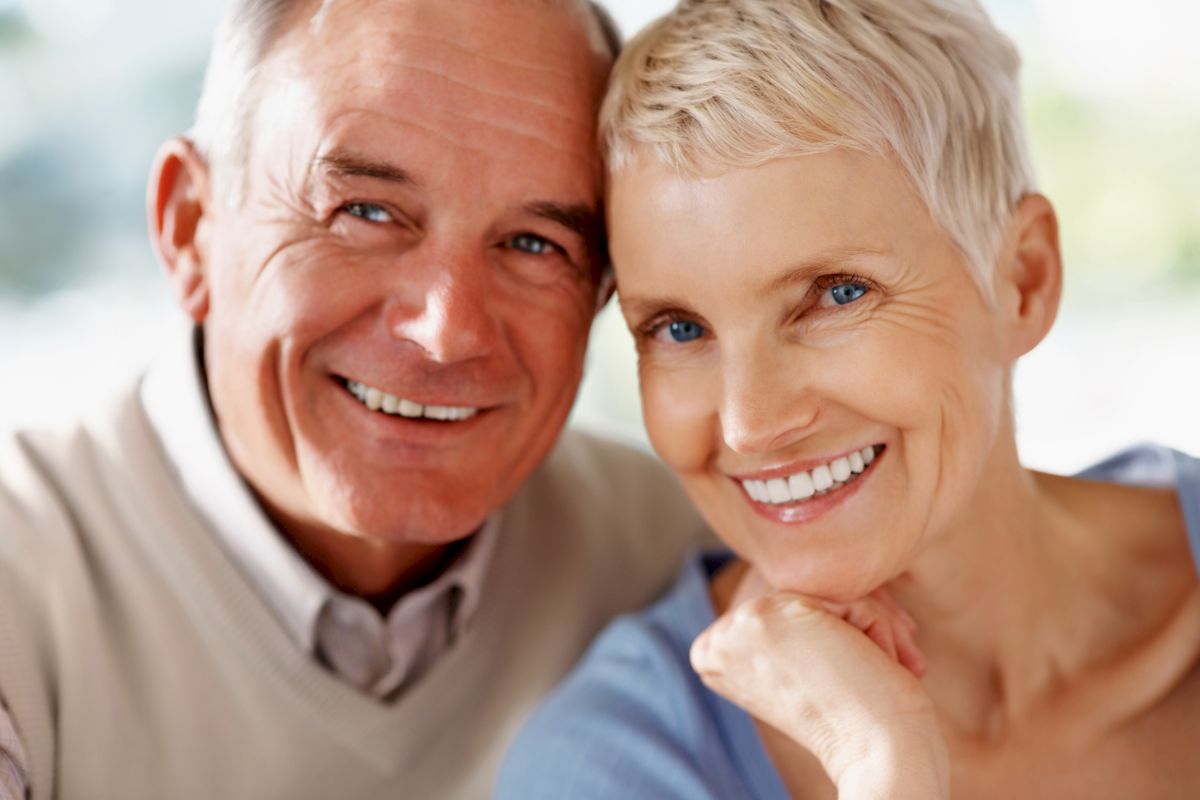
{"type": "Point", "coordinates": [767, 403]}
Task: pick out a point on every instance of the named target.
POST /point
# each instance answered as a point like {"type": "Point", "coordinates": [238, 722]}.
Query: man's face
{"type": "Point", "coordinates": [400, 302]}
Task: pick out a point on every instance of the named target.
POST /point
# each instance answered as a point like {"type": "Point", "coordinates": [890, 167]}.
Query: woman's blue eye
{"type": "Point", "coordinates": [846, 293]}
{"type": "Point", "coordinates": [534, 245]}
{"type": "Point", "coordinates": [684, 331]}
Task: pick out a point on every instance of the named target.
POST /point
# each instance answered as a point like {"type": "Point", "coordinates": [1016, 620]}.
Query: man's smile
{"type": "Point", "coordinates": [393, 405]}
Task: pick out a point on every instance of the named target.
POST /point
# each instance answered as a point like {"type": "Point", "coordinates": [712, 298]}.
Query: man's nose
{"type": "Point", "coordinates": [444, 307]}
{"type": "Point", "coordinates": [767, 401]}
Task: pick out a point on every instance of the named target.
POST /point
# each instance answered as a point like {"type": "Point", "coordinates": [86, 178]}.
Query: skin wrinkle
{"type": "Point", "coordinates": [812, 268]}
{"type": "Point", "coordinates": [317, 20]}
{"type": "Point", "coordinates": [545, 107]}
{"type": "Point", "coordinates": [337, 165]}
{"type": "Point", "coordinates": [551, 211]}
{"type": "Point", "coordinates": [577, 219]}
{"type": "Point", "coordinates": [441, 46]}
{"type": "Point", "coordinates": [409, 123]}
{"type": "Point", "coordinates": [533, 132]}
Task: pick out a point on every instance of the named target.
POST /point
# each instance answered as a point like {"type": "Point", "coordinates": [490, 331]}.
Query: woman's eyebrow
{"type": "Point", "coordinates": [820, 263]}
{"type": "Point", "coordinates": [646, 307]}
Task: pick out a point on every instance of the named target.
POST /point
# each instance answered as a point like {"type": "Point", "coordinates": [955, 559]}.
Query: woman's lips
{"type": "Point", "coordinates": [806, 494]}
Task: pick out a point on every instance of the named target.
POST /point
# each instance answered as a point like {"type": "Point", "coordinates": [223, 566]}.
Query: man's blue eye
{"type": "Point", "coordinates": [684, 331]}
{"type": "Point", "coordinates": [846, 293]}
{"type": "Point", "coordinates": [529, 243]}
{"type": "Point", "coordinates": [369, 212]}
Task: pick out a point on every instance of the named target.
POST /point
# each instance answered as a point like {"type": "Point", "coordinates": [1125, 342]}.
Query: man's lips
{"type": "Point", "coordinates": [394, 405]}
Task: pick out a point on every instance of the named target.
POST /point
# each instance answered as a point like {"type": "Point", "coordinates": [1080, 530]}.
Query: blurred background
{"type": "Point", "coordinates": [89, 88]}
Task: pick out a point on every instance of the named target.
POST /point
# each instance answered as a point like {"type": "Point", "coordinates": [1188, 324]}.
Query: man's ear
{"type": "Point", "coordinates": [604, 291]}
{"type": "Point", "coordinates": [177, 200]}
{"type": "Point", "coordinates": [1029, 279]}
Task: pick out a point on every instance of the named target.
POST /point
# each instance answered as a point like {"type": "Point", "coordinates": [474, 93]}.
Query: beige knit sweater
{"type": "Point", "coordinates": [138, 662]}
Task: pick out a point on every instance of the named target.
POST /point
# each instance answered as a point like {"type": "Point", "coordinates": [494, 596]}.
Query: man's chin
{"type": "Point", "coordinates": [426, 524]}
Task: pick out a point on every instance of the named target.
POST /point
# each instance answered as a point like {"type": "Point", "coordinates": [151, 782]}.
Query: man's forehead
{"type": "Point", "coordinates": [534, 53]}
{"type": "Point", "coordinates": [558, 26]}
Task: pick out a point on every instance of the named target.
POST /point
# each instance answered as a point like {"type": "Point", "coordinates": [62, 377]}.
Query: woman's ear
{"type": "Point", "coordinates": [1029, 278]}
{"type": "Point", "coordinates": [177, 200]}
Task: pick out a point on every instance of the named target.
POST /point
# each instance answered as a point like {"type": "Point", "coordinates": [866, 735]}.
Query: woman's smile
{"type": "Point", "coordinates": [802, 491]}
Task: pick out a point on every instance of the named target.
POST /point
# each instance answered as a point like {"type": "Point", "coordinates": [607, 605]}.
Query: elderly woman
{"type": "Point", "coordinates": [830, 252]}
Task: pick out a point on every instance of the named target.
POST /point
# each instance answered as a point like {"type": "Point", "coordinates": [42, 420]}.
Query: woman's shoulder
{"type": "Point", "coordinates": [1150, 466]}
{"type": "Point", "coordinates": [632, 720]}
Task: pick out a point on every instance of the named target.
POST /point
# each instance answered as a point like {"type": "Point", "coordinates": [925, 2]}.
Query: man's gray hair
{"type": "Point", "coordinates": [243, 39]}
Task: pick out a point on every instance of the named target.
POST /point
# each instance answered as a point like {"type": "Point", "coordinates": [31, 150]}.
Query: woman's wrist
{"type": "Point", "coordinates": [912, 765]}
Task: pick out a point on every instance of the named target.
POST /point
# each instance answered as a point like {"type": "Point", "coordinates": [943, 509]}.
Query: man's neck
{"type": "Point", "coordinates": [379, 571]}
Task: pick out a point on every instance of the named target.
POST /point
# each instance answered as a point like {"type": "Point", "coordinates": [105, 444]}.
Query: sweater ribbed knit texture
{"type": "Point", "coordinates": [138, 662]}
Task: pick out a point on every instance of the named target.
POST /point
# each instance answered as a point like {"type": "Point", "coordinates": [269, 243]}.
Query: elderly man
{"type": "Point", "coordinates": [296, 560]}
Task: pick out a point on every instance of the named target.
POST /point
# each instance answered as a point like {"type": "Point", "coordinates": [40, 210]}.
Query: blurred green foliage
{"type": "Point", "coordinates": [1126, 182]}
{"type": "Point", "coordinates": [12, 28]}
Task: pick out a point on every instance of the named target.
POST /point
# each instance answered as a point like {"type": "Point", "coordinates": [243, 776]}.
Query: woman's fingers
{"type": "Point", "coordinates": [880, 632]}
{"type": "Point", "coordinates": [830, 681]}
{"type": "Point", "coordinates": [911, 657]}
{"type": "Point", "coordinates": [890, 627]}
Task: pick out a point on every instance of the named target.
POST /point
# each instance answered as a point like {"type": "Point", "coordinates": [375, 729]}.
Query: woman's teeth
{"type": "Point", "coordinates": [377, 400]}
{"type": "Point", "coordinates": [807, 484]}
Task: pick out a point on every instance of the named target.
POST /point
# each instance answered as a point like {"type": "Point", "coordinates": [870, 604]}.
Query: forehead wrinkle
{"type": "Point", "coordinates": [442, 45]}
{"type": "Point", "coordinates": [532, 132]}
{"type": "Point", "coordinates": [476, 67]}
{"type": "Point", "coordinates": [405, 121]}
{"type": "Point", "coordinates": [547, 108]}
{"type": "Point", "coordinates": [405, 40]}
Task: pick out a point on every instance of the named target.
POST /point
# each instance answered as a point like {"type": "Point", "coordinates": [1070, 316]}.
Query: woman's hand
{"type": "Point", "coordinates": [839, 679]}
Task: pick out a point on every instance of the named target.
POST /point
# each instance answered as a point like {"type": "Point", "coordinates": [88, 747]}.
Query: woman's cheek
{"type": "Point", "coordinates": [679, 415]}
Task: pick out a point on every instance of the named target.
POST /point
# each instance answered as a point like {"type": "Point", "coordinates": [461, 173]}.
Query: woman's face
{"type": "Point", "coordinates": [817, 363]}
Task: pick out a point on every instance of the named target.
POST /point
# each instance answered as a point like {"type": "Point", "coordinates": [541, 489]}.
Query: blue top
{"type": "Point", "coordinates": [634, 721]}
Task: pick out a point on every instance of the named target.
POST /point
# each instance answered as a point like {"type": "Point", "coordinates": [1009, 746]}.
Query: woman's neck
{"type": "Point", "coordinates": [1031, 589]}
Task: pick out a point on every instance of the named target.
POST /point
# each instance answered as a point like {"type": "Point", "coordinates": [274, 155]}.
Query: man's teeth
{"type": "Point", "coordinates": [817, 481]}
{"type": "Point", "coordinates": [377, 400]}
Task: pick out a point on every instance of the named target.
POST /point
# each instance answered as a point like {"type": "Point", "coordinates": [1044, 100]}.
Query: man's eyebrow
{"type": "Point", "coordinates": [578, 218]}
{"type": "Point", "coordinates": [349, 165]}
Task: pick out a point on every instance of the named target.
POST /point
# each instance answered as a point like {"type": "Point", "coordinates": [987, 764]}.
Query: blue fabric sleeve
{"type": "Point", "coordinates": [633, 721]}
{"type": "Point", "coordinates": [613, 730]}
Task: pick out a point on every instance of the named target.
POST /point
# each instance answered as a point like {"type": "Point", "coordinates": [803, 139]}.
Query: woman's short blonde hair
{"type": "Point", "coordinates": [724, 84]}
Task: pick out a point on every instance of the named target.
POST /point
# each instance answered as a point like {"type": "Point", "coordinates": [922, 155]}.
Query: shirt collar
{"type": "Point", "coordinates": [175, 396]}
